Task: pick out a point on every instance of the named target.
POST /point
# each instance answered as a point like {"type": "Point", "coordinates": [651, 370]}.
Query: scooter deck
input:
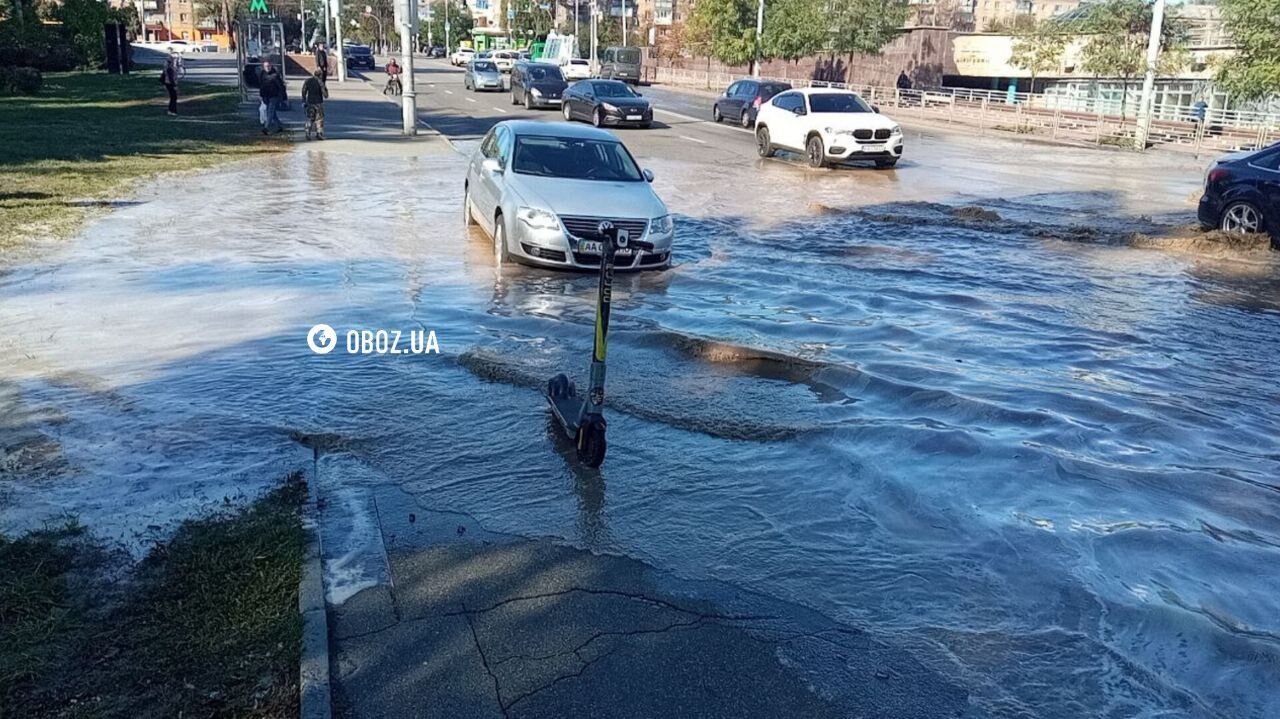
{"type": "Point", "coordinates": [568, 411]}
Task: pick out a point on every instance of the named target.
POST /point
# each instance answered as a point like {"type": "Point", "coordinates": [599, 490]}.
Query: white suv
{"type": "Point", "coordinates": [827, 125]}
{"type": "Point", "coordinates": [462, 56]}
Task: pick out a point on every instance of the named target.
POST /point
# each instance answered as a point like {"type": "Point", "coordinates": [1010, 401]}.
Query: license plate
{"type": "Point", "coordinates": [873, 148]}
{"type": "Point", "coordinates": [554, 101]}
{"type": "Point", "coordinates": [592, 247]}
{"type": "Point", "coordinates": [633, 117]}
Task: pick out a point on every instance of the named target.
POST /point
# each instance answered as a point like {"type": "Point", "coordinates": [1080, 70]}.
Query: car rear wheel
{"type": "Point", "coordinates": [597, 117]}
{"type": "Point", "coordinates": [568, 114]}
{"type": "Point", "coordinates": [814, 152]}
{"type": "Point", "coordinates": [764, 144]}
{"type": "Point", "coordinates": [467, 218]}
{"type": "Point", "coordinates": [1242, 218]}
{"type": "Point", "coordinates": [715, 113]}
{"type": "Point", "coordinates": [745, 120]}
{"type": "Point", "coordinates": [528, 102]}
{"type": "Point", "coordinates": [500, 251]}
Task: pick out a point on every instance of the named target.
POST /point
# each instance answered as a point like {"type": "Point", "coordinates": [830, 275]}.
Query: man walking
{"type": "Point", "coordinates": [271, 90]}
{"type": "Point", "coordinates": [169, 78]}
{"type": "Point", "coordinates": [322, 62]}
{"type": "Point", "coordinates": [314, 92]}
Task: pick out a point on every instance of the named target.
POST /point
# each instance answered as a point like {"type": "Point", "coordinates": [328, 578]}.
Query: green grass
{"type": "Point", "coordinates": [208, 624]}
{"type": "Point", "coordinates": [92, 136]}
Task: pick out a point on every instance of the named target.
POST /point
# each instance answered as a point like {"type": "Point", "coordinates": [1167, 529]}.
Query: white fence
{"type": "Point", "coordinates": [1053, 116]}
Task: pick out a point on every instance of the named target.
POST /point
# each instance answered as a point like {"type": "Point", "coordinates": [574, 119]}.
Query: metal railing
{"type": "Point", "coordinates": [1058, 117]}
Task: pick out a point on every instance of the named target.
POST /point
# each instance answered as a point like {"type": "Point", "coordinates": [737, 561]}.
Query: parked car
{"type": "Point", "coordinates": [827, 126]}
{"type": "Point", "coordinates": [505, 60]}
{"type": "Point", "coordinates": [537, 84]}
{"type": "Point", "coordinates": [436, 52]}
{"type": "Point", "coordinates": [462, 56]}
{"type": "Point", "coordinates": [606, 102]}
{"type": "Point", "coordinates": [742, 100]}
{"type": "Point", "coordinates": [1242, 193]}
{"type": "Point", "coordinates": [621, 63]}
{"type": "Point", "coordinates": [482, 75]}
{"type": "Point", "coordinates": [359, 56]}
{"type": "Point", "coordinates": [576, 69]}
{"type": "Point", "coordinates": [540, 190]}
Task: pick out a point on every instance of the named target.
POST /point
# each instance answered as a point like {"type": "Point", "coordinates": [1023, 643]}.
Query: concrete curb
{"type": "Point", "coordinates": [313, 670]}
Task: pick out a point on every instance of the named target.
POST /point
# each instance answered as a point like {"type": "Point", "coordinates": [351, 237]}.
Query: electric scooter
{"type": "Point", "coordinates": [582, 418]}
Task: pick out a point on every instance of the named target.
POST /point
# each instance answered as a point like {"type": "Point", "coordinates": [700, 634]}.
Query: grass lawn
{"type": "Point", "coordinates": [206, 625]}
{"type": "Point", "coordinates": [89, 137]}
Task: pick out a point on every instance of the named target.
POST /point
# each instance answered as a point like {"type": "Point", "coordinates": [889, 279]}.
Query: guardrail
{"type": "Point", "coordinates": [1053, 116]}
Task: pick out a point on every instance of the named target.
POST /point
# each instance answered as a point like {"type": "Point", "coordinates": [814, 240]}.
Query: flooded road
{"type": "Point", "coordinates": [1043, 462]}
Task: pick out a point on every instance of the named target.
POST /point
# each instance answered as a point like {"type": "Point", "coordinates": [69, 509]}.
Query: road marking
{"type": "Point", "coordinates": [500, 110]}
{"type": "Point", "coordinates": [692, 139]}
{"type": "Point", "coordinates": [471, 99]}
{"type": "Point", "coordinates": [705, 122]}
{"type": "Point", "coordinates": [448, 92]}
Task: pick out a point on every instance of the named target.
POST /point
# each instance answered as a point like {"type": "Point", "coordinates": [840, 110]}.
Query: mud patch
{"type": "Point", "coordinates": [1192, 238]}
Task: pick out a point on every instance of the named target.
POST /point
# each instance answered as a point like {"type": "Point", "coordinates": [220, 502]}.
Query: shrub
{"type": "Point", "coordinates": [20, 81]}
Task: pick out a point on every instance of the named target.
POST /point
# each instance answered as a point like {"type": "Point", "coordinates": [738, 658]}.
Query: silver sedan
{"type": "Point", "coordinates": [540, 190]}
{"type": "Point", "coordinates": [482, 75]}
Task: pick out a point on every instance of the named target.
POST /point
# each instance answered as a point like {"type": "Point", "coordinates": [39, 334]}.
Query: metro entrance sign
{"type": "Point", "coordinates": [258, 6]}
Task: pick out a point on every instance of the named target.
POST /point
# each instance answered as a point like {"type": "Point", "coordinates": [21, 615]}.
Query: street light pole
{"type": "Point", "coordinates": [759, 33]}
{"type": "Point", "coordinates": [342, 54]}
{"type": "Point", "coordinates": [624, 22]}
{"type": "Point", "coordinates": [408, 33]}
{"type": "Point", "coordinates": [1145, 104]}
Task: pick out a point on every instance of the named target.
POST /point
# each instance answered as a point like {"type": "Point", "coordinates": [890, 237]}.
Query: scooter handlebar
{"type": "Point", "coordinates": [612, 234]}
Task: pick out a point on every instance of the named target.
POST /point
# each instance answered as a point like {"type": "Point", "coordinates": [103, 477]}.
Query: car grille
{"type": "Point", "coordinates": [543, 253]}
{"type": "Point", "coordinates": [862, 134]}
{"type": "Point", "coordinates": [585, 228]}
{"type": "Point", "coordinates": [882, 134]}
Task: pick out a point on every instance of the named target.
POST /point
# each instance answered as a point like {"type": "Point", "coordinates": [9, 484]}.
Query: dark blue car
{"type": "Point", "coordinates": [359, 56]}
{"type": "Point", "coordinates": [1242, 193]}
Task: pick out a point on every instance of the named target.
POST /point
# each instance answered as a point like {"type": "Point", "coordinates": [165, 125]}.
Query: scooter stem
{"type": "Point", "coordinates": [604, 297]}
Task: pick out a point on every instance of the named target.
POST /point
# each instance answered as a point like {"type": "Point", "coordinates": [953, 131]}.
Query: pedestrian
{"type": "Point", "coordinates": [314, 93]}
{"type": "Point", "coordinates": [904, 82]}
{"type": "Point", "coordinates": [322, 62]}
{"type": "Point", "coordinates": [169, 78]}
{"type": "Point", "coordinates": [1199, 110]}
{"type": "Point", "coordinates": [271, 90]}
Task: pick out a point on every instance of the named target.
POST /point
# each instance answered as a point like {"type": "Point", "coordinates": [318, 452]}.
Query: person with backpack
{"type": "Point", "coordinates": [169, 78]}
{"type": "Point", "coordinates": [271, 90]}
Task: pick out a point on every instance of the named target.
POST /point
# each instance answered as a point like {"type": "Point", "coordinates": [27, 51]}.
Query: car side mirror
{"type": "Point", "coordinates": [648, 175]}
{"type": "Point", "coordinates": [493, 164]}
{"type": "Point", "coordinates": [799, 111]}
{"type": "Point", "coordinates": [639, 94]}
{"type": "Point", "coordinates": [875, 109]}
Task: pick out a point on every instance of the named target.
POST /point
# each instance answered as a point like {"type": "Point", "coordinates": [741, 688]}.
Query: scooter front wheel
{"type": "Point", "coordinates": [591, 442]}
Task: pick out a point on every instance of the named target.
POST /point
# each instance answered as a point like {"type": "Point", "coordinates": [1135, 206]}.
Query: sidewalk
{"type": "Point", "coordinates": [461, 623]}
{"type": "Point", "coordinates": [358, 118]}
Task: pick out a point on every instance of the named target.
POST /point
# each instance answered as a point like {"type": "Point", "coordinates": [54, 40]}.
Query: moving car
{"type": "Point", "coordinates": [461, 56]}
{"type": "Point", "coordinates": [742, 100]}
{"type": "Point", "coordinates": [537, 84]}
{"type": "Point", "coordinates": [505, 60]}
{"type": "Point", "coordinates": [359, 56]}
{"type": "Point", "coordinates": [606, 102]}
{"type": "Point", "coordinates": [576, 69]}
{"type": "Point", "coordinates": [621, 63]}
{"type": "Point", "coordinates": [1242, 193]}
{"type": "Point", "coordinates": [436, 51]}
{"type": "Point", "coordinates": [540, 190]}
{"type": "Point", "coordinates": [827, 126]}
{"type": "Point", "coordinates": [482, 75]}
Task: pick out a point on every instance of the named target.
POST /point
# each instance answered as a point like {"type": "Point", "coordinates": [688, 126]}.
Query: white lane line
{"type": "Point", "coordinates": [471, 99]}
{"type": "Point", "coordinates": [692, 139]}
{"type": "Point", "coordinates": [448, 92]}
{"type": "Point", "coordinates": [500, 110]}
{"type": "Point", "coordinates": [701, 120]}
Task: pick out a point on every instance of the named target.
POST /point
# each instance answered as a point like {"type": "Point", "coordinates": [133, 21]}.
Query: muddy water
{"type": "Point", "coordinates": [1047, 464]}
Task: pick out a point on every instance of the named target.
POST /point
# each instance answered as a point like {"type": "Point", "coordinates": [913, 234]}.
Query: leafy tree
{"type": "Point", "coordinates": [531, 21]}
{"type": "Point", "coordinates": [460, 22]}
{"type": "Point", "coordinates": [865, 26]}
{"type": "Point", "coordinates": [1011, 25]}
{"type": "Point", "coordinates": [726, 28]}
{"type": "Point", "coordinates": [795, 28]}
{"type": "Point", "coordinates": [1253, 73]}
{"type": "Point", "coordinates": [1118, 33]}
{"type": "Point", "coordinates": [1039, 48]}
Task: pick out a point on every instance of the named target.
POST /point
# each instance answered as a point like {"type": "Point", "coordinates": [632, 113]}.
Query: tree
{"type": "Point", "coordinates": [460, 22]}
{"type": "Point", "coordinates": [1118, 33]}
{"type": "Point", "coordinates": [1039, 49]}
{"type": "Point", "coordinates": [1253, 73]}
{"type": "Point", "coordinates": [795, 28]}
{"type": "Point", "coordinates": [531, 21]}
{"type": "Point", "coordinates": [865, 26]}
{"type": "Point", "coordinates": [726, 28]}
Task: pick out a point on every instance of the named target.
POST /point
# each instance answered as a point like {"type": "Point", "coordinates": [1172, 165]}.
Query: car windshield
{"type": "Point", "coordinates": [574, 158]}
{"type": "Point", "coordinates": [837, 102]}
{"type": "Point", "coordinates": [544, 73]}
{"type": "Point", "coordinates": [630, 56]}
{"type": "Point", "coordinates": [614, 89]}
{"type": "Point", "coordinates": [483, 66]}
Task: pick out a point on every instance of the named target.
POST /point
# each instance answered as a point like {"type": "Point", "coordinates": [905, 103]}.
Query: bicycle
{"type": "Point", "coordinates": [393, 86]}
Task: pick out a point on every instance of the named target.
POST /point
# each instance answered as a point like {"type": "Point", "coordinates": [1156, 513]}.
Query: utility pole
{"type": "Point", "coordinates": [446, 26]}
{"type": "Point", "coordinates": [759, 33]}
{"type": "Point", "coordinates": [408, 10]}
{"type": "Point", "coordinates": [1145, 104]}
{"type": "Point", "coordinates": [624, 21]}
{"type": "Point", "coordinates": [595, 24]}
{"type": "Point", "coordinates": [337, 25]}
{"type": "Point", "coordinates": [302, 18]}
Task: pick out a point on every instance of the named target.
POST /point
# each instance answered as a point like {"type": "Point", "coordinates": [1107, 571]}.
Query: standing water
{"type": "Point", "coordinates": [1047, 467]}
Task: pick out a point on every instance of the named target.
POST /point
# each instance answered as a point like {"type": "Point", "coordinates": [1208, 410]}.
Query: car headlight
{"type": "Point", "coordinates": [535, 92]}
{"type": "Point", "coordinates": [662, 225]}
{"type": "Point", "coordinates": [538, 219]}
{"type": "Point", "coordinates": [897, 130]}
{"type": "Point", "coordinates": [608, 107]}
